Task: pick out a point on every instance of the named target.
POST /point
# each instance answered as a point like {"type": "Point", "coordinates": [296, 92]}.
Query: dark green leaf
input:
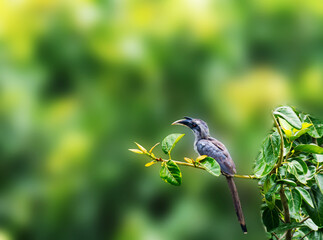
{"type": "Point", "coordinates": [284, 227]}
{"type": "Point", "coordinates": [305, 195]}
{"type": "Point", "coordinates": [294, 202]}
{"type": "Point", "coordinates": [211, 166]}
{"type": "Point", "coordinates": [287, 181]}
{"type": "Point", "coordinates": [316, 235]}
{"type": "Point", "coordinates": [270, 195]}
{"type": "Point", "coordinates": [170, 141]}
{"type": "Point", "coordinates": [289, 115]}
{"type": "Point", "coordinates": [316, 213]}
{"type": "Point", "coordinates": [171, 173]}
{"type": "Point", "coordinates": [270, 218]}
{"type": "Point", "coordinates": [319, 181]}
{"type": "Point", "coordinates": [269, 182]}
{"type": "Point", "coordinates": [268, 156]}
{"type": "Point", "coordinates": [316, 130]}
{"type": "Point", "coordinates": [309, 148]}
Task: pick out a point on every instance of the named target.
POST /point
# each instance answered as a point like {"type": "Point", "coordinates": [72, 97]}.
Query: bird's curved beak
{"type": "Point", "coordinates": [183, 122]}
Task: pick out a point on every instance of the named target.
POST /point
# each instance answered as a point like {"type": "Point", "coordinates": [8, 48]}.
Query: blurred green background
{"type": "Point", "coordinates": [81, 80]}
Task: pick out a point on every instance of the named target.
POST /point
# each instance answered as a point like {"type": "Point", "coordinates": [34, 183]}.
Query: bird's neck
{"type": "Point", "coordinates": [200, 135]}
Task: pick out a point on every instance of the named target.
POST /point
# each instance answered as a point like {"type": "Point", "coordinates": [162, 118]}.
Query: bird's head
{"type": "Point", "coordinates": [198, 126]}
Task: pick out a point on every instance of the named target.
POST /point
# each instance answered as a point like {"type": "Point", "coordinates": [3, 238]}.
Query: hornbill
{"type": "Point", "coordinates": [206, 145]}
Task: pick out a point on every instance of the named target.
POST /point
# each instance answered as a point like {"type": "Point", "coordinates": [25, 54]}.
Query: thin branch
{"type": "Point", "coordinates": [245, 176]}
{"type": "Point", "coordinates": [197, 166]}
{"type": "Point", "coordinates": [306, 234]}
{"type": "Point", "coordinates": [282, 237]}
{"type": "Point", "coordinates": [280, 211]}
{"type": "Point", "coordinates": [281, 155]}
{"type": "Point", "coordinates": [286, 211]}
{"type": "Point", "coordinates": [304, 219]}
{"type": "Point", "coordinates": [275, 235]}
{"type": "Point", "coordinates": [287, 155]}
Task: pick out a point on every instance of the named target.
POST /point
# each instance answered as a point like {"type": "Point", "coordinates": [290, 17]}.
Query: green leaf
{"type": "Point", "coordinates": [309, 223]}
{"type": "Point", "coordinates": [316, 130]}
{"type": "Point", "coordinates": [284, 227]}
{"type": "Point", "coordinates": [170, 141]}
{"type": "Point", "coordinates": [286, 127]}
{"type": "Point", "coordinates": [305, 195]}
{"type": "Point", "coordinates": [297, 134]}
{"type": "Point", "coordinates": [310, 173]}
{"type": "Point", "coordinates": [316, 213]}
{"type": "Point", "coordinates": [270, 195]}
{"type": "Point", "coordinates": [211, 166]}
{"type": "Point", "coordinates": [289, 115]}
{"type": "Point", "coordinates": [317, 235]}
{"type": "Point", "coordinates": [171, 173]}
{"type": "Point", "coordinates": [269, 182]}
{"type": "Point", "coordinates": [319, 181]}
{"type": "Point", "coordinates": [287, 181]}
{"type": "Point", "coordinates": [303, 165]}
{"type": "Point", "coordinates": [270, 218]}
{"type": "Point", "coordinates": [309, 148]}
{"type": "Point", "coordinates": [294, 202]}
{"type": "Point", "coordinates": [268, 156]}
{"type": "Point", "coordinates": [136, 151]}
{"type": "Point", "coordinates": [299, 170]}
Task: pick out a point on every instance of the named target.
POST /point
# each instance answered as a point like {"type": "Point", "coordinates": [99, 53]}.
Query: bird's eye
{"type": "Point", "coordinates": [194, 125]}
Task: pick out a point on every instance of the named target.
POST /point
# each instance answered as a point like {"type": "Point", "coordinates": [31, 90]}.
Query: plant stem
{"type": "Point", "coordinates": [306, 234]}
{"type": "Point", "coordinates": [281, 155]}
{"type": "Point", "coordinates": [304, 219]}
{"type": "Point", "coordinates": [245, 176]}
{"type": "Point", "coordinates": [286, 211]}
{"type": "Point", "coordinates": [275, 235]}
{"type": "Point", "coordinates": [197, 166]}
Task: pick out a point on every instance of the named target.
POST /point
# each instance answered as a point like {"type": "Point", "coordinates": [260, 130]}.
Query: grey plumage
{"type": "Point", "coordinates": [204, 144]}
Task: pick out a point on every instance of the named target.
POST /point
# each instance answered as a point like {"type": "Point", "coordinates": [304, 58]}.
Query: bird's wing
{"type": "Point", "coordinates": [215, 149]}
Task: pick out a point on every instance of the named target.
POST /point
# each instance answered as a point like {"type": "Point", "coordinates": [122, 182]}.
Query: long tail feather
{"type": "Point", "coordinates": [237, 204]}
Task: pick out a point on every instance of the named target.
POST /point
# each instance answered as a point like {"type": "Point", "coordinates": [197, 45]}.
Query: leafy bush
{"type": "Point", "coordinates": [288, 167]}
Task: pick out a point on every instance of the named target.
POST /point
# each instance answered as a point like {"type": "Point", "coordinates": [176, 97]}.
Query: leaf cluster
{"type": "Point", "coordinates": [170, 171]}
{"type": "Point", "coordinates": [289, 168]}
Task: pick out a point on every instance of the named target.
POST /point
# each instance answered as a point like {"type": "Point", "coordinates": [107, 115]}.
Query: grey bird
{"type": "Point", "coordinates": [206, 145]}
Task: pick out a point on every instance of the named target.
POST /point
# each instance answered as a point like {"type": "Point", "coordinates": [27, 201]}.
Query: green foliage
{"type": "Point", "coordinates": [309, 148]}
{"type": "Point", "coordinates": [289, 115]}
{"type": "Point", "coordinates": [211, 166]}
{"type": "Point", "coordinates": [268, 156]}
{"type": "Point", "coordinates": [270, 218]}
{"type": "Point", "coordinates": [288, 168]}
{"type": "Point", "coordinates": [170, 141]}
{"type": "Point", "coordinates": [171, 173]}
{"type": "Point", "coordinates": [289, 172]}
